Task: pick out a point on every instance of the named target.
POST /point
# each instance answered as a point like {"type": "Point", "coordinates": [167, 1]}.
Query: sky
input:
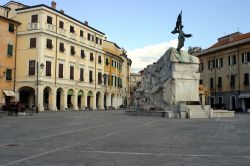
{"type": "Point", "coordinates": [143, 27]}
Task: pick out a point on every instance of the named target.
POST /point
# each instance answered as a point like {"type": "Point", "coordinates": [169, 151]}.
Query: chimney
{"type": "Point", "coordinates": [62, 11]}
{"type": "Point", "coordinates": [86, 22]}
{"type": "Point", "coordinates": [53, 5]}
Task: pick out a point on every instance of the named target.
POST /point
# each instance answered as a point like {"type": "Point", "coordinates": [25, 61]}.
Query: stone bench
{"type": "Point", "coordinates": [223, 114]}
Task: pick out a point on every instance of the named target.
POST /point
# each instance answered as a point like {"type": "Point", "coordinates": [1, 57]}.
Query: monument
{"type": "Point", "coordinates": [173, 81]}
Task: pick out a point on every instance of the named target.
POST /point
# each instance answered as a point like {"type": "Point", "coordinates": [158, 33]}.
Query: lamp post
{"type": "Point", "coordinates": [37, 72]}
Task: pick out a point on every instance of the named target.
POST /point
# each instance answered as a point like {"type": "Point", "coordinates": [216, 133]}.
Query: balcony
{"type": "Point", "coordinates": [50, 27]}
{"type": "Point", "coordinates": [33, 26]}
{"type": "Point", "coordinates": [72, 36]}
{"type": "Point", "coordinates": [233, 67]}
{"type": "Point", "coordinates": [61, 31]}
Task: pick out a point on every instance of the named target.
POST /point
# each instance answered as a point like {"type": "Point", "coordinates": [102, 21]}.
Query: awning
{"type": "Point", "coordinates": [242, 96]}
{"type": "Point", "coordinates": [9, 93]}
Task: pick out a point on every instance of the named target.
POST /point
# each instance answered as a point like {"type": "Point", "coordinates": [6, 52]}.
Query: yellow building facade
{"type": "Point", "coordinates": [7, 58]}
{"type": "Point", "coordinates": [225, 69]}
{"type": "Point", "coordinates": [116, 73]}
{"type": "Point", "coordinates": [61, 61]}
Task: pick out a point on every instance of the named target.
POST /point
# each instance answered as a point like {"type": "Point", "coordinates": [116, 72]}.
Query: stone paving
{"type": "Point", "coordinates": [111, 138]}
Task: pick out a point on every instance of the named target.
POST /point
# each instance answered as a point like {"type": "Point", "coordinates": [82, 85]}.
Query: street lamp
{"type": "Point", "coordinates": [37, 72]}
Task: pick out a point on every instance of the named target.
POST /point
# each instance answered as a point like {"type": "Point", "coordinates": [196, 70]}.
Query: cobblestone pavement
{"type": "Point", "coordinates": [111, 138]}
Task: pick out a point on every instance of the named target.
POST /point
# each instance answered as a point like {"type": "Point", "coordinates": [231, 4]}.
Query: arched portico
{"type": "Point", "coordinates": [27, 96]}
{"type": "Point", "coordinates": [60, 99]}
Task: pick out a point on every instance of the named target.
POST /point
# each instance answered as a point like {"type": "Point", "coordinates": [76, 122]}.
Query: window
{"type": "Point", "coordinates": [201, 82]}
{"type": "Point", "coordinates": [10, 50]}
{"type": "Point", "coordinates": [246, 79]}
{"type": "Point", "coordinates": [91, 76]}
{"type": "Point", "coordinates": [107, 61]}
{"type": "Point", "coordinates": [90, 37]}
{"type": "Point", "coordinates": [34, 18]}
{"type": "Point", "coordinates": [11, 27]}
{"type": "Point", "coordinates": [99, 78]}
{"type": "Point", "coordinates": [99, 59]}
{"type": "Point", "coordinates": [82, 54]}
{"type": "Point", "coordinates": [72, 29]}
{"type": "Point", "coordinates": [49, 20]}
{"type": "Point", "coordinates": [211, 64]}
{"type": "Point", "coordinates": [32, 42]}
{"type": "Point", "coordinates": [91, 58]}
{"type": "Point", "coordinates": [61, 47]}
{"type": "Point", "coordinates": [81, 33]}
{"type": "Point", "coordinates": [219, 63]}
{"type": "Point", "coordinates": [32, 67]}
{"type": "Point", "coordinates": [245, 57]}
{"type": "Point", "coordinates": [97, 40]}
{"type": "Point", "coordinates": [211, 83]}
{"type": "Point", "coordinates": [72, 72]}
{"type": "Point", "coordinates": [49, 44]}
{"type": "Point", "coordinates": [60, 70]}
{"type": "Point", "coordinates": [219, 82]}
{"type": "Point", "coordinates": [232, 81]}
{"type": "Point", "coordinates": [48, 68]}
{"type": "Point", "coordinates": [81, 74]}
{"type": "Point", "coordinates": [61, 24]}
{"type": "Point", "coordinates": [109, 80]}
{"type": "Point", "coordinates": [105, 79]}
{"type": "Point", "coordinates": [232, 60]}
{"type": "Point", "coordinates": [8, 74]}
{"type": "Point", "coordinates": [72, 50]}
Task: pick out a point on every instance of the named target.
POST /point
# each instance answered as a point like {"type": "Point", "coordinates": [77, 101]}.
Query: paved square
{"type": "Point", "coordinates": [111, 138]}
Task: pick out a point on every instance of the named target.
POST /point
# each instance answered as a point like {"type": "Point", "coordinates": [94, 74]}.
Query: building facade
{"type": "Point", "coordinates": [116, 75]}
{"type": "Point", "coordinates": [60, 61]}
{"type": "Point", "coordinates": [225, 69]}
{"type": "Point", "coordinates": [8, 29]}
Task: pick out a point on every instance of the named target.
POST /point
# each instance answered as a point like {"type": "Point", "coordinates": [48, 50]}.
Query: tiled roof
{"type": "Point", "coordinates": [230, 39]}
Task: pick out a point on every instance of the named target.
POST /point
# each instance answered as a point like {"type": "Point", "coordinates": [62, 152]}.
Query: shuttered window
{"type": "Point", "coordinates": [10, 50]}
{"type": "Point", "coordinates": [72, 72]}
{"type": "Point", "coordinates": [60, 70]}
{"type": "Point", "coordinates": [32, 42]}
{"type": "Point", "coordinates": [91, 76]}
{"type": "Point", "coordinates": [81, 74]}
{"type": "Point", "coordinates": [48, 68]}
{"type": "Point", "coordinates": [49, 20]}
{"type": "Point", "coordinates": [99, 78]}
{"type": "Point", "coordinates": [32, 67]}
{"type": "Point", "coordinates": [8, 74]}
{"type": "Point", "coordinates": [34, 18]}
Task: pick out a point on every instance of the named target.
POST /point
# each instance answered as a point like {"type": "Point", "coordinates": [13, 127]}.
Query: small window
{"type": "Point", "coordinates": [8, 74]}
{"type": "Point", "coordinates": [61, 25]}
{"type": "Point", "coordinates": [32, 42]}
{"type": "Point", "coordinates": [97, 40]}
{"type": "Point", "coordinates": [61, 47]}
{"type": "Point", "coordinates": [34, 18]}
{"type": "Point", "coordinates": [201, 82]}
{"type": "Point", "coordinates": [81, 33]}
{"type": "Point", "coordinates": [32, 67]}
{"type": "Point", "coordinates": [232, 81]}
{"type": "Point", "coordinates": [91, 76]}
{"type": "Point", "coordinates": [72, 29]}
{"type": "Point", "coordinates": [246, 79]}
{"type": "Point", "coordinates": [91, 57]}
{"type": "Point", "coordinates": [49, 20]}
{"type": "Point", "coordinates": [82, 54]}
{"type": "Point", "coordinates": [49, 44]}
{"type": "Point", "coordinates": [10, 50]}
{"type": "Point", "coordinates": [72, 50]}
{"type": "Point", "coordinates": [11, 27]}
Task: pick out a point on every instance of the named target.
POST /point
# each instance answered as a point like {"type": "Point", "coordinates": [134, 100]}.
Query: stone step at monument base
{"type": "Point", "coordinates": [197, 112]}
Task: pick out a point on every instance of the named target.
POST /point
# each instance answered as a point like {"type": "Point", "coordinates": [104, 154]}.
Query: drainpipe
{"type": "Point", "coordinates": [14, 86]}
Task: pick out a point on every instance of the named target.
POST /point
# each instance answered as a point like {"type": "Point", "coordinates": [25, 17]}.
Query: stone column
{"type": "Point", "coordinates": [62, 102]}
{"type": "Point", "coordinates": [108, 100]}
{"type": "Point", "coordinates": [52, 102]}
{"type": "Point", "coordinates": [102, 102]}
{"type": "Point", "coordinates": [85, 100]}
{"type": "Point", "coordinates": [94, 102]}
{"type": "Point", "coordinates": [74, 98]}
{"type": "Point", "coordinates": [40, 99]}
{"type": "Point", "coordinates": [65, 101]}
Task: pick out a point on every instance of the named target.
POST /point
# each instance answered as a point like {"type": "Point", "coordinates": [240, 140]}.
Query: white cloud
{"type": "Point", "coordinates": [141, 57]}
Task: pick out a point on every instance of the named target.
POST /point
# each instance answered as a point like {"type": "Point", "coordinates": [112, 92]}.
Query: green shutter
{"type": "Point", "coordinates": [8, 74]}
{"type": "Point", "coordinates": [10, 50]}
